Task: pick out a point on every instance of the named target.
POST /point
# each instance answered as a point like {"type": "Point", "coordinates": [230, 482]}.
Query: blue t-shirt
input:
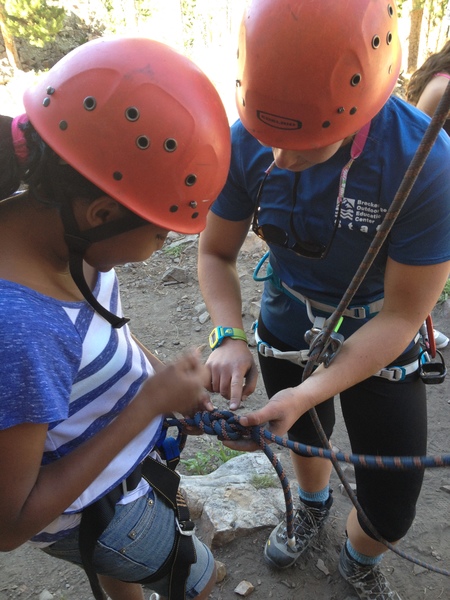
{"type": "Point", "coordinates": [64, 365]}
{"type": "Point", "coordinates": [420, 235]}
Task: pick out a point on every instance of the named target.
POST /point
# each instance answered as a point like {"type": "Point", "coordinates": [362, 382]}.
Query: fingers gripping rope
{"type": "Point", "coordinates": [226, 426]}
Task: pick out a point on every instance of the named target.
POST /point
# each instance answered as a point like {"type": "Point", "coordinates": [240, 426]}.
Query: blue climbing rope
{"type": "Point", "coordinates": [226, 426]}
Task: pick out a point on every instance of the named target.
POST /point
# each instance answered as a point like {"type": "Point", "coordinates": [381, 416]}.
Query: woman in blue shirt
{"type": "Point", "coordinates": [318, 154]}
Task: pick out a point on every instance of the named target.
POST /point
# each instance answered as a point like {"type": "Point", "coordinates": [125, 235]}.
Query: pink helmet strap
{"type": "Point", "coordinates": [18, 137]}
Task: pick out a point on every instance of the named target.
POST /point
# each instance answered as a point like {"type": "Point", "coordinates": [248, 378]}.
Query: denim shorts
{"type": "Point", "coordinates": [135, 545]}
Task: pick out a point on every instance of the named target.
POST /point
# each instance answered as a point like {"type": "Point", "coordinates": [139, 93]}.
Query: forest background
{"type": "Point", "coordinates": [34, 34]}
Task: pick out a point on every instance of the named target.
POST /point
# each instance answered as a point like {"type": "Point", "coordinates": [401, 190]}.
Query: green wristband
{"type": "Point", "coordinates": [218, 334]}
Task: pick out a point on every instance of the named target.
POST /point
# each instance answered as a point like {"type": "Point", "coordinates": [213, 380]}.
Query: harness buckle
{"type": "Point", "coordinates": [393, 373]}
{"type": "Point", "coordinates": [186, 528]}
{"type": "Point", "coordinates": [361, 312]}
{"type": "Point", "coordinates": [264, 349]}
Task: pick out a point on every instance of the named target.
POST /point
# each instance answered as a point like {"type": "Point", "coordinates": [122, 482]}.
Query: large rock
{"type": "Point", "coordinates": [226, 504]}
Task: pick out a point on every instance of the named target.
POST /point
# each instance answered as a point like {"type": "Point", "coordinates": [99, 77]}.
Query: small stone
{"type": "Point", "coordinates": [45, 595]}
{"type": "Point", "coordinates": [204, 317]}
{"type": "Point", "coordinates": [418, 569]}
{"type": "Point", "coordinates": [245, 588]}
{"type": "Point", "coordinates": [221, 571]}
{"type": "Point", "coordinates": [322, 567]}
{"type": "Point", "coordinates": [175, 274]}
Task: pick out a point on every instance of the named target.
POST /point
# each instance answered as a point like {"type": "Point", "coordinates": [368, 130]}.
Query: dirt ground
{"type": "Point", "coordinates": [168, 317]}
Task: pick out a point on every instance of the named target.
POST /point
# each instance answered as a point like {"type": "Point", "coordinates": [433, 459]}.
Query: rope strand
{"type": "Point", "coordinates": [226, 426]}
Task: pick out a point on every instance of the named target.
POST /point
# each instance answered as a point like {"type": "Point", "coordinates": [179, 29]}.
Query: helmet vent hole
{"type": "Point", "coordinates": [238, 83]}
{"type": "Point", "coordinates": [326, 124]}
{"type": "Point", "coordinates": [389, 38]}
{"type": "Point", "coordinates": [132, 113]}
{"type": "Point", "coordinates": [193, 204]}
{"type": "Point", "coordinates": [390, 10]}
{"type": "Point", "coordinates": [50, 90]}
{"type": "Point", "coordinates": [90, 103]}
{"type": "Point", "coordinates": [46, 102]}
{"type": "Point", "coordinates": [117, 175]}
{"type": "Point", "coordinates": [341, 110]}
{"type": "Point", "coordinates": [376, 41]}
{"type": "Point", "coordinates": [173, 208]}
{"type": "Point", "coordinates": [191, 180]}
{"type": "Point", "coordinates": [63, 125]}
{"type": "Point", "coordinates": [355, 80]}
{"type": "Point", "coordinates": [194, 215]}
{"type": "Point", "coordinates": [353, 110]}
{"type": "Point", "coordinates": [170, 145]}
{"type": "Point", "coordinates": [143, 142]}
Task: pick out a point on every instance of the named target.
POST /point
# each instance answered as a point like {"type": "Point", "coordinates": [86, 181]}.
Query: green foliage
{"type": "Point", "coordinates": [124, 15]}
{"type": "Point", "coordinates": [434, 8]}
{"type": "Point", "coordinates": [445, 292]}
{"type": "Point", "coordinates": [209, 460]}
{"type": "Point", "coordinates": [262, 482]}
{"type": "Point", "coordinates": [36, 21]}
{"type": "Point", "coordinates": [173, 251]}
{"type": "Point", "coordinates": [189, 19]}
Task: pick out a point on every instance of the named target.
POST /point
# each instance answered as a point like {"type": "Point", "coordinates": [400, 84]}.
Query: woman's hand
{"type": "Point", "coordinates": [233, 372]}
{"type": "Point", "coordinates": [277, 416]}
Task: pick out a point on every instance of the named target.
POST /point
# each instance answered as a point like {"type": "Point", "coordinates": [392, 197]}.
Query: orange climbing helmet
{"type": "Point", "coordinates": [141, 122]}
{"type": "Point", "coordinates": [312, 72]}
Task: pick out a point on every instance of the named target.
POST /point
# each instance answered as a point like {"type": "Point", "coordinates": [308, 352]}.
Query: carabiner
{"type": "Point", "coordinates": [432, 371]}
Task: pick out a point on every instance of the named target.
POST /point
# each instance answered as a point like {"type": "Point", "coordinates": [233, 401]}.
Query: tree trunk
{"type": "Point", "coordinates": [414, 38]}
{"type": "Point", "coordinates": [10, 45]}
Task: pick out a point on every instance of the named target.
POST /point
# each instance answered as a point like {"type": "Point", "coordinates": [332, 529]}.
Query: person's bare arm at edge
{"type": "Point", "coordinates": [432, 94]}
{"type": "Point", "coordinates": [410, 294]}
{"type": "Point", "coordinates": [233, 370]}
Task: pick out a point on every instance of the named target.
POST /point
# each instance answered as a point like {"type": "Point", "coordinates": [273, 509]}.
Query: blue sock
{"type": "Point", "coordinates": [320, 496]}
{"type": "Point", "coordinates": [362, 559]}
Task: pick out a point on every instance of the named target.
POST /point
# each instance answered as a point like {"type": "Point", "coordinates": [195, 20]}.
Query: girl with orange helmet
{"type": "Point", "coordinates": [122, 141]}
{"type": "Point", "coordinates": [318, 154]}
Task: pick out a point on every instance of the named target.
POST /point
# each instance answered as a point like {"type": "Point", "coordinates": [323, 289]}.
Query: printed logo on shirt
{"type": "Point", "coordinates": [361, 215]}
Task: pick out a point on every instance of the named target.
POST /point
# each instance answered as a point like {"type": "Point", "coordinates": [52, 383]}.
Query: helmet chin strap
{"type": "Point", "coordinates": [78, 242]}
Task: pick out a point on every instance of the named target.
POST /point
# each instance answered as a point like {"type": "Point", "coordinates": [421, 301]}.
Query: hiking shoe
{"type": "Point", "coordinates": [368, 581]}
{"type": "Point", "coordinates": [308, 521]}
{"type": "Point", "coordinates": [440, 339]}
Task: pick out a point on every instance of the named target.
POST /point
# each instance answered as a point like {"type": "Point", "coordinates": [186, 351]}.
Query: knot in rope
{"type": "Point", "coordinates": [222, 423]}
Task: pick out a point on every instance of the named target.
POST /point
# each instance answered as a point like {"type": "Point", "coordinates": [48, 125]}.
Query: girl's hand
{"type": "Point", "coordinates": [180, 386]}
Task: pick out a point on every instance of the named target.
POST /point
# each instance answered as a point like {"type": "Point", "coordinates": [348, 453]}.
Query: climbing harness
{"type": "Point", "coordinates": [361, 311]}
{"type": "Point", "coordinates": [301, 357]}
{"type": "Point", "coordinates": [164, 481]}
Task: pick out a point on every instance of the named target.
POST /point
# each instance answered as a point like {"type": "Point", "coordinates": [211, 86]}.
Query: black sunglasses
{"type": "Point", "coordinates": [273, 234]}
